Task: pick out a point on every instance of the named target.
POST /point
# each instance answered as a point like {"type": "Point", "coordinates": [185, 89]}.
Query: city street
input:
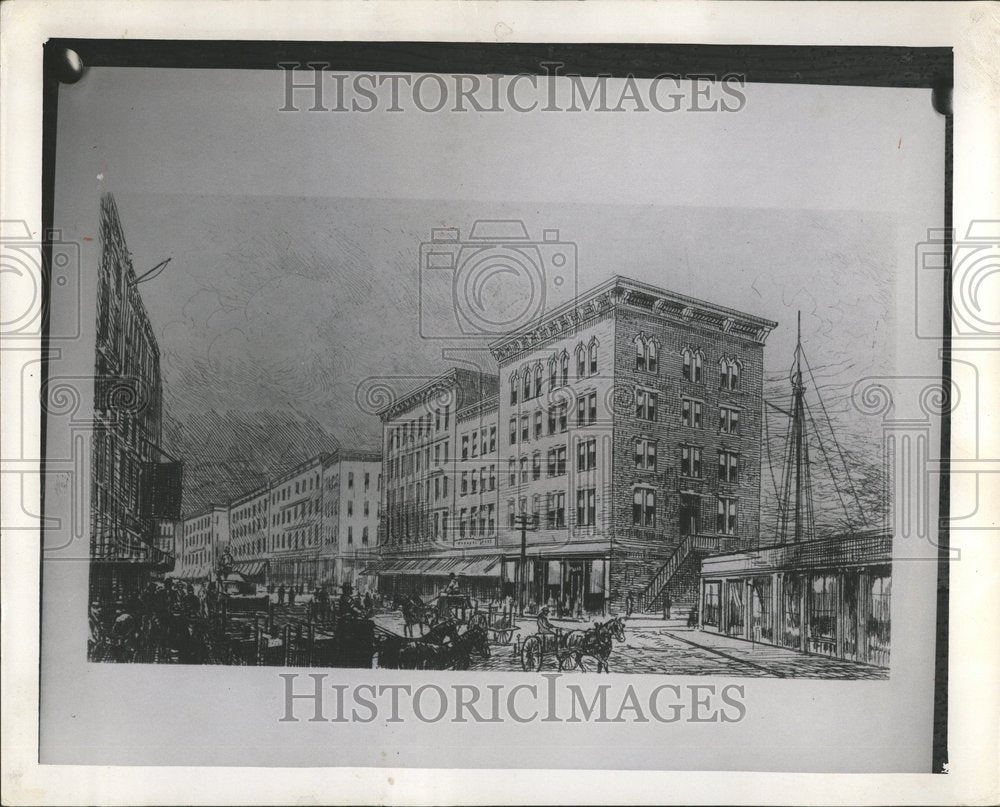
{"type": "Point", "coordinates": [653, 645]}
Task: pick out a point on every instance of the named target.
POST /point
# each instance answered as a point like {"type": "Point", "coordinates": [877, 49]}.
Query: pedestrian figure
{"type": "Point", "coordinates": [666, 606]}
{"type": "Point", "coordinates": [291, 596]}
{"type": "Point", "coordinates": [629, 605]}
{"type": "Point", "coordinates": [281, 594]}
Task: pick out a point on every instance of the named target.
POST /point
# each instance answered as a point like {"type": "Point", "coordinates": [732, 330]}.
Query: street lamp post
{"type": "Point", "coordinates": [525, 522]}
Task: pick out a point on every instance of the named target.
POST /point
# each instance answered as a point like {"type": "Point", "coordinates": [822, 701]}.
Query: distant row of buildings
{"type": "Point", "coordinates": [315, 524]}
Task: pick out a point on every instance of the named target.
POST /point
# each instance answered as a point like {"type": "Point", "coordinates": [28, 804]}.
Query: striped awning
{"type": "Point", "coordinates": [485, 566]}
{"type": "Point", "coordinates": [250, 568]}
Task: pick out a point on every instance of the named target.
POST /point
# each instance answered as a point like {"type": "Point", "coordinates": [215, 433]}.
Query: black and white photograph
{"type": "Point", "coordinates": [498, 405]}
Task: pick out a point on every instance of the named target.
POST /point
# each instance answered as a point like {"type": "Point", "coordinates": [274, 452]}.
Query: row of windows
{"type": "Point", "coordinates": [644, 512]}
{"type": "Point", "coordinates": [416, 461]}
{"type": "Point", "coordinates": [482, 479]}
{"type": "Point", "coordinates": [526, 383]}
{"type": "Point", "coordinates": [557, 417]}
{"type": "Point", "coordinates": [479, 446]}
{"type": "Point", "coordinates": [420, 427]}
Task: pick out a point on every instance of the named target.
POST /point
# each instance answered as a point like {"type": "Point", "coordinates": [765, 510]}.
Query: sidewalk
{"type": "Point", "coordinates": [778, 661]}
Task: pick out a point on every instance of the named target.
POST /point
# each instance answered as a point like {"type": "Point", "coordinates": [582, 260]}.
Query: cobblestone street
{"type": "Point", "coordinates": [670, 647]}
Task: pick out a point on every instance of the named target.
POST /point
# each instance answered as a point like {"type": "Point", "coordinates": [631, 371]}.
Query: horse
{"type": "Point", "coordinates": [456, 655]}
{"type": "Point", "coordinates": [595, 642]}
{"type": "Point", "coordinates": [403, 653]}
{"type": "Point", "coordinates": [414, 613]}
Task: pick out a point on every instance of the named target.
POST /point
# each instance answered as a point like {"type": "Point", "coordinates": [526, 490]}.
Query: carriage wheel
{"type": "Point", "coordinates": [531, 654]}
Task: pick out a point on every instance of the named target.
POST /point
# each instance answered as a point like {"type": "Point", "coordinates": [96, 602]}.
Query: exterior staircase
{"type": "Point", "coordinates": [679, 575]}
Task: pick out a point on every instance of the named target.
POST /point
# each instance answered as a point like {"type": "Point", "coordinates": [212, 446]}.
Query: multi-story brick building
{"type": "Point", "coordinates": [204, 537]}
{"type": "Point", "coordinates": [296, 509]}
{"type": "Point", "coordinates": [352, 488]}
{"type": "Point", "coordinates": [422, 465]}
{"type": "Point", "coordinates": [632, 423]}
{"type": "Point", "coordinates": [129, 490]}
{"type": "Point", "coordinates": [249, 525]}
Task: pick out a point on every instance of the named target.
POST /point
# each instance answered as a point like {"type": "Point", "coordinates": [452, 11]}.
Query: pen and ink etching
{"type": "Point", "coordinates": [609, 478]}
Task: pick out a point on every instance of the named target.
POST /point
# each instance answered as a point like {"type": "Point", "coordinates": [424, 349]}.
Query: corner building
{"type": "Point", "coordinates": [630, 430]}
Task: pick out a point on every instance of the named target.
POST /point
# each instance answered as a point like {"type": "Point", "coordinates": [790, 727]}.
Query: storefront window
{"type": "Point", "coordinates": [823, 614]}
{"type": "Point", "coordinates": [711, 604]}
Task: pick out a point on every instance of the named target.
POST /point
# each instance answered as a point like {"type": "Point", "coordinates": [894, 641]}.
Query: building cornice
{"type": "Point", "coordinates": [621, 293]}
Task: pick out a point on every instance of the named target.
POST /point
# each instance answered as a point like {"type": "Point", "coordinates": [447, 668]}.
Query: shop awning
{"type": "Point", "coordinates": [486, 566]}
{"type": "Point", "coordinates": [250, 568]}
{"type": "Point", "coordinates": [489, 566]}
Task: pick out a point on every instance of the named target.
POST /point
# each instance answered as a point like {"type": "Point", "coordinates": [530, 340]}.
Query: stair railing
{"type": "Point", "coordinates": [665, 573]}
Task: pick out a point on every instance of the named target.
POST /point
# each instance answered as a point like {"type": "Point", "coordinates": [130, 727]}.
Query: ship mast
{"type": "Point", "coordinates": [798, 523]}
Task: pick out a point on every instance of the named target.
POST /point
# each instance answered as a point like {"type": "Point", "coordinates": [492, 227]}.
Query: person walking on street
{"type": "Point", "coordinates": [629, 605]}
{"type": "Point", "coordinates": [291, 596]}
{"type": "Point", "coordinates": [281, 594]}
{"type": "Point", "coordinates": [667, 604]}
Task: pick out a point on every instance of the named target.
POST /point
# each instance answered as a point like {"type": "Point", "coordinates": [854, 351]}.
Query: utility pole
{"type": "Point", "coordinates": [525, 522]}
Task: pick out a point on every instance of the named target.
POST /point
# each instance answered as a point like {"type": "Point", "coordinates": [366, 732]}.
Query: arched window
{"type": "Point", "coordinates": [651, 355]}
{"type": "Point", "coordinates": [513, 388]}
{"type": "Point", "coordinates": [698, 361]}
{"type": "Point", "coordinates": [553, 370]}
{"type": "Point", "coordinates": [538, 379]}
{"type": "Point", "coordinates": [527, 384]}
{"type": "Point", "coordinates": [687, 366]}
{"type": "Point", "coordinates": [581, 361]}
{"type": "Point", "coordinates": [640, 353]}
{"type": "Point", "coordinates": [729, 374]}
{"type": "Point", "coordinates": [644, 507]}
{"type": "Point", "coordinates": [592, 352]}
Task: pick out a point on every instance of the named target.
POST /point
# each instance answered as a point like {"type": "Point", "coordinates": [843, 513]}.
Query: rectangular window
{"type": "Point", "coordinates": [563, 419]}
{"type": "Point", "coordinates": [475, 481]}
{"type": "Point", "coordinates": [368, 480]}
{"type": "Point", "coordinates": [464, 489]}
{"type": "Point", "coordinates": [538, 424]}
{"type": "Point", "coordinates": [726, 517]}
{"type": "Point", "coordinates": [536, 466]}
{"type": "Point", "coordinates": [524, 428]}
{"type": "Point", "coordinates": [350, 535]}
{"type": "Point", "coordinates": [586, 455]}
{"type": "Point", "coordinates": [586, 510]}
{"type": "Point", "coordinates": [691, 412]}
{"type": "Point", "coordinates": [691, 462]}
{"type": "Point", "coordinates": [493, 477]}
{"type": "Point", "coordinates": [557, 461]}
{"type": "Point", "coordinates": [511, 472]}
{"type": "Point", "coordinates": [645, 454]}
{"type": "Point", "coordinates": [644, 507]}
{"type": "Point", "coordinates": [556, 510]}
{"type": "Point", "coordinates": [729, 420]}
{"type": "Point", "coordinates": [350, 479]}
{"type": "Point", "coordinates": [510, 514]}
{"type": "Point", "coordinates": [475, 444]}
{"type": "Point", "coordinates": [513, 431]}
{"type": "Point", "coordinates": [493, 439]}
{"type": "Point", "coordinates": [729, 464]}
{"type": "Point", "coordinates": [586, 409]}
{"type": "Point", "coordinates": [524, 470]}
{"type": "Point", "coordinates": [465, 446]}
{"type": "Point", "coordinates": [645, 404]}
{"type": "Point", "coordinates": [552, 420]}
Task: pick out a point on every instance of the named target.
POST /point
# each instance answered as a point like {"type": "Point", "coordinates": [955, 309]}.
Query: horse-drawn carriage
{"type": "Point", "coordinates": [571, 647]}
